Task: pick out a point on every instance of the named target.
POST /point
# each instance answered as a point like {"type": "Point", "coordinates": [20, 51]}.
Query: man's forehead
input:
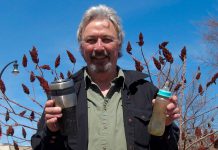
{"type": "Point", "coordinates": [105, 23]}
{"type": "Point", "coordinates": [100, 23]}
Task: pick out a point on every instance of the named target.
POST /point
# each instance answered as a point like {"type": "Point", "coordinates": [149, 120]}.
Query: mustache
{"type": "Point", "coordinates": [102, 53]}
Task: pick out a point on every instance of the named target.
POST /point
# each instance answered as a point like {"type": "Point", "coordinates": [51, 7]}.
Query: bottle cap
{"type": "Point", "coordinates": [164, 93]}
{"type": "Point", "coordinates": [61, 84]}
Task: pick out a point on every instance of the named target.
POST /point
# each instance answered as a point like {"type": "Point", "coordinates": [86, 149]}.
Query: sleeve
{"type": "Point", "coordinates": [169, 141]}
{"type": "Point", "coordinates": [44, 139]}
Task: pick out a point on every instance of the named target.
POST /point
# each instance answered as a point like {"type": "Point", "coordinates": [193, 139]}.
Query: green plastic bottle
{"type": "Point", "coordinates": [156, 125]}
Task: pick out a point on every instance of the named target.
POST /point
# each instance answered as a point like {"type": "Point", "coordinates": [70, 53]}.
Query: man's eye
{"type": "Point", "coordinates": [107, 40]}
{"type": "Point", "coordinates": [91, 41]}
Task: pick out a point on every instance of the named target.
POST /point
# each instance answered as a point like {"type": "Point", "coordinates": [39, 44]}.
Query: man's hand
{"type": "Point", "coordinates": [173, 111]}
{"type": "Point", "coordinates": [52, 114]}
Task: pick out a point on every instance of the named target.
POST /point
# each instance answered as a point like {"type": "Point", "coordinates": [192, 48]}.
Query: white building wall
{"type": "Point", "coordinates": [11, 147]}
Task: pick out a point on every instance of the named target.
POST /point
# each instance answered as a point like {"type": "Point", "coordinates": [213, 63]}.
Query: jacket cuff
{"type": "Point", "coordinates": [167, 131]}
{"type": "Point", "coordinates": [171, 136]}
{"type": "Point", "coordinates": [50, 137]}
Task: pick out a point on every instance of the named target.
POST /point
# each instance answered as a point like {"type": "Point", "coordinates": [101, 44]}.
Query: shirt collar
{"type": "Point", "coordinates": [117, 81]}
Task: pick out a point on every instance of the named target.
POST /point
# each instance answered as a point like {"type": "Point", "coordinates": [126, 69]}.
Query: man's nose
{"type": "Point", "coordinates": [99, 45]}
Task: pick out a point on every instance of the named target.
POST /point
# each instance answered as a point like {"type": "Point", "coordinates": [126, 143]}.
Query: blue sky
{"type": "Point", "coordinates": [51, 26]}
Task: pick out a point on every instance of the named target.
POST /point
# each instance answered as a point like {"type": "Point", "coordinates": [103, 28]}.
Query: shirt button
{"type": "Point", "coordinates": [130, 120]}
{"type": "Point", "coordinates": [143, 117]}
{"type": "Point", "coordinates": [51, 141]}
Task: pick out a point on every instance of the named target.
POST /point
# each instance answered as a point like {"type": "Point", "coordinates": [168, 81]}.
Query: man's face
{"type": "Point", "coordinates": [100, 46]}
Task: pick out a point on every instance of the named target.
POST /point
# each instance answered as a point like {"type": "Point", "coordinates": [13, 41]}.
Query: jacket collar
{"type": "Point", "coordinates": [78, 75]}
{"type": "Point", "coordinates": [130, 76]}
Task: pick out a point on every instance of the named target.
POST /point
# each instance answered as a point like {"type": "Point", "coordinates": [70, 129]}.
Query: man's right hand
{"type": "Point", "coordinates": [52, 113]}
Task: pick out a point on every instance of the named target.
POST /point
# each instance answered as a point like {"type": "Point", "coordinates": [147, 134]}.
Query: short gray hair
{"type": "Point", "coordinates": [101, 12]}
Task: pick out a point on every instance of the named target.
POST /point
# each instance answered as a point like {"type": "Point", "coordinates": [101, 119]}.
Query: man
{"type": "Point", "coordinates": [114, 105]}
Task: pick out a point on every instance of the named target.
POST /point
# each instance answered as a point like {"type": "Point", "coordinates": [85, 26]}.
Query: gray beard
{"type": "Point", "coordinates": [107, 67]}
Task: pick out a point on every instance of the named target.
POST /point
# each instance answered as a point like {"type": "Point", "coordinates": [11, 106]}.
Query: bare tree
{"type": "Point", "coordinates": [210, 35]}
{"type": "Point", "coordinates": [21, 119]}
{"type": "Point", "coordinates": [198, 105]}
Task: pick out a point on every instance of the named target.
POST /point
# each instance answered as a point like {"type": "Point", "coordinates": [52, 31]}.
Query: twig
{"type": "Point", "coordinates": [176, 75]}
{"type": "Point", "coordinates": [186, 109]}
{"type": "Point", "coordinates": [200, 139]}
{"type": "Point", "coordinates": [35, 101]}
{"type": "Point", "coordinates": [5, 108]}
{"type": "Point", "coordinates": [146, 64]}
{"type": "Point", "coordinates": [34, 94]}
{"type": "Point", "coordinates": [18, 124]}
{"type": "Point", "coordinates": [16, 137]}
{"type": "Point", "coordinates": [193, 117]}
{"type": "Point", "coordinates": [6, 99]}
{"type": "Point", "coordinates": [19, 116]}
{"type": "Point", "coordinates": [181, 101]}
{"type": "Point", "coordinates": [40, 70]}
{"type": "Point", "coordinates": [73, 67]}
{"type": "Point", "coordinates": [22, 106]}
{"type": "Point", "coordinates": [168, 74]}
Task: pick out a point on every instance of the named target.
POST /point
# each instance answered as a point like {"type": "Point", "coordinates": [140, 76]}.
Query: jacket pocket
{"type": "Point", "coordinates": [141, 134]}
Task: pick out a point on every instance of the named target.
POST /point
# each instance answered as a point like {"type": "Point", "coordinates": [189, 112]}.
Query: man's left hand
{"type": "Point", "coordinates": [173, 111]}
